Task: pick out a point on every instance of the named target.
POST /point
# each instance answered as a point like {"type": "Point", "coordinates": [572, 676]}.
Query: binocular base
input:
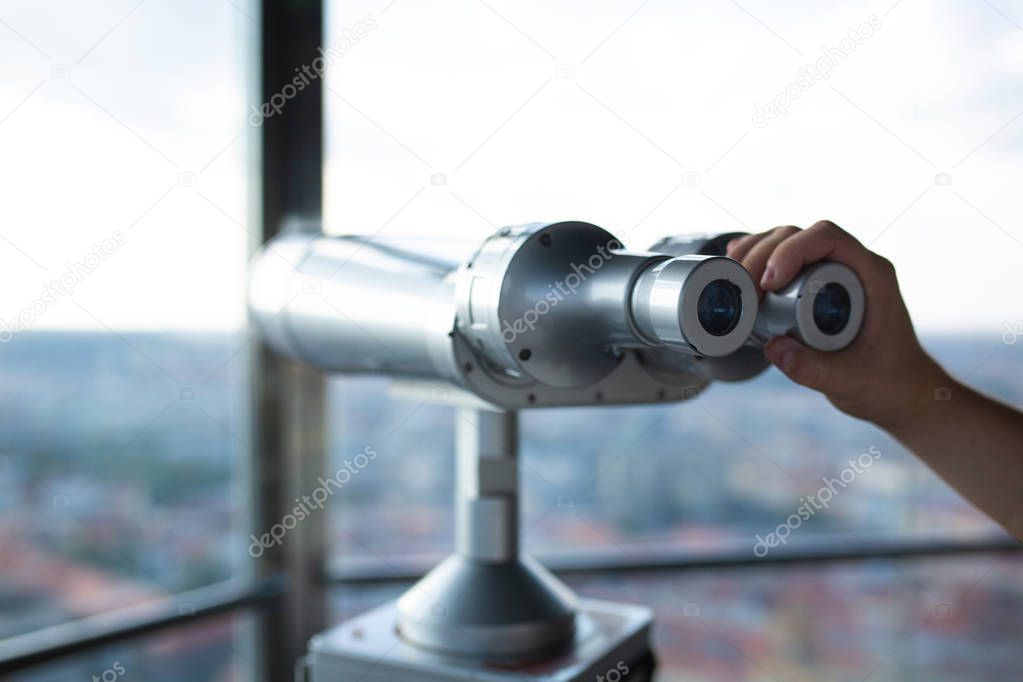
{"type": "Point", "coordinates": [612, 642]}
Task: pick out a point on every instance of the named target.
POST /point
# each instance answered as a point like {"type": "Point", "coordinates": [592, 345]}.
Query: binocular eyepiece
{"type": "Point", "coordinates": [822, 307]}
{"type": "Point", "coordinates": [702, 305]}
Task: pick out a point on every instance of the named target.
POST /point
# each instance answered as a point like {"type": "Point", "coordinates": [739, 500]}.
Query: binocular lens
{"type": "Point", "coordinates": [720, 306]}
{"type": "Point", "coordinates": [832, 308]}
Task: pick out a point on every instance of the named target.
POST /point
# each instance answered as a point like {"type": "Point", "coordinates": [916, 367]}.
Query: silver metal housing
{"type": "Point", "coordinates": [790, 310]}
{"type": "Point", "coordinates": [539, 315]}
{"type": "Point", "coordinates": [551, 302]}
{"type": "Point", "coordinates": [368, 649]}
{"type": "Point", "coordinates": [353, 305]}
{"type": "Point", "coordinates": [665, 300]}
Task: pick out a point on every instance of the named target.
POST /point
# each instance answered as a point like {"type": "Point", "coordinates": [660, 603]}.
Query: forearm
{"type": "Point", "coordinates": [975, 443]}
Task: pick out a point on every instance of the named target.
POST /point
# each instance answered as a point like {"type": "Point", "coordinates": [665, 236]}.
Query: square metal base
{"type": "Point", "coordinates": [609, 637]}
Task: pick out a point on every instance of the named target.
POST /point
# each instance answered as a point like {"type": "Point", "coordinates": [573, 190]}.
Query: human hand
{"type": "Point", "coordinates": [884, 376]}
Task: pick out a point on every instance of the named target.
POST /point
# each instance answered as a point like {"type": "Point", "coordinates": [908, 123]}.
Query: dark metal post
{"type": "Point", "coordinates": [289, 399]}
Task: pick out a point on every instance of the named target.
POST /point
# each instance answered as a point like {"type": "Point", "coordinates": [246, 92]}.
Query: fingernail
{"type": "Point", "coordinates": [768, 277]}
{"type": "Point", "coordinates": [782, 352]}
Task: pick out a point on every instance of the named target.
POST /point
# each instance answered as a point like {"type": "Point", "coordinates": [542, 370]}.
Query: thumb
{"type": "Point", "coordinates": [805, 366]}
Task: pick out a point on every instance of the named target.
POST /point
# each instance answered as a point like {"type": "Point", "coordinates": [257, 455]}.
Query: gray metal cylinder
{"type": "Point", "coordinates": [797, 309]}
{"type": "Point", "coordinates": [667, 298]}
{"type": "Point", "coordinates": [486, 485]}
{"type": "Point", "coordinates": [348, 304]}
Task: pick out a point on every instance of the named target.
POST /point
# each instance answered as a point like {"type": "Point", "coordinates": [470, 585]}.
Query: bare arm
{"type": "Point", "coordinates": [973, 442]}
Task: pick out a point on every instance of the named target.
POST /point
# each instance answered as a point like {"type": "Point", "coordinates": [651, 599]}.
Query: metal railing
{"type": "Point", "coordinates": [85, 634]}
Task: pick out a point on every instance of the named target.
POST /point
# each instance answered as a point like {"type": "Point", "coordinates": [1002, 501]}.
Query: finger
{"type": "Point", "coordinates": [739, 247]}
{"type": "Point", "coordinates": [824, 240]}
{"type": "Point", "coordinates": [805, 366]}
{"type": "Point", "coordinates": [756, 260]}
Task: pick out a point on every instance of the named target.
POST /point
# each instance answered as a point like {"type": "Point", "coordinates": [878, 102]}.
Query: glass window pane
{"type": "Point", "coordinates": [648, 120]}
{"type": "Point", "coordinates": [123, 358]}
{"type": "Point", "coordinates": [950, 619]}
{"type": "Point", "coordinates": [704, 477]}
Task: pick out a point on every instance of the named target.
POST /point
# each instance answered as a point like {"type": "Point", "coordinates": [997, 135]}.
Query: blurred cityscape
{"type": "Point", "coordinates": [124, 478]}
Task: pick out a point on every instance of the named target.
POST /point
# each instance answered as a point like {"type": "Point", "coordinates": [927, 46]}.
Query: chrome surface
{"type": "Point", "coordinates": [790, 310]}
{"type": "Point", "coordinates": [665, 299]}
{"type": "Point", "coordinates": [486, 600]}
{"type": "Point", "coordinates": [545, 314]}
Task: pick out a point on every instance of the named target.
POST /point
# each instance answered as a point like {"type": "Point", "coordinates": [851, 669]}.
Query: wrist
{"type": "Point", "coordinates": [924, 390]}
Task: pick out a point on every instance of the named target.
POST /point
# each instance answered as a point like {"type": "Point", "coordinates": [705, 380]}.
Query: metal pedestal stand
{"type": "Point", "coordinates": [486, 613]}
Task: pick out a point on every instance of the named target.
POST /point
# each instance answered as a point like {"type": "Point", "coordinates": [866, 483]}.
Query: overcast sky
{"type": "Point", "coordinates": [450, 118]}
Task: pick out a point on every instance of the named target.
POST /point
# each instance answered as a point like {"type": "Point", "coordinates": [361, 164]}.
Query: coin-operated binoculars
{"type": "Point", "coordinates": [539, 316]}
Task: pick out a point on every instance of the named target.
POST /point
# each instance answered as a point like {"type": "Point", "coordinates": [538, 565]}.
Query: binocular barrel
{"type": "Point", "coordinates": [557, 305]}
{"type": "Point", "coordinates": [350, 305]}
{"type": "Point", "coordinates": [823, 306]}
